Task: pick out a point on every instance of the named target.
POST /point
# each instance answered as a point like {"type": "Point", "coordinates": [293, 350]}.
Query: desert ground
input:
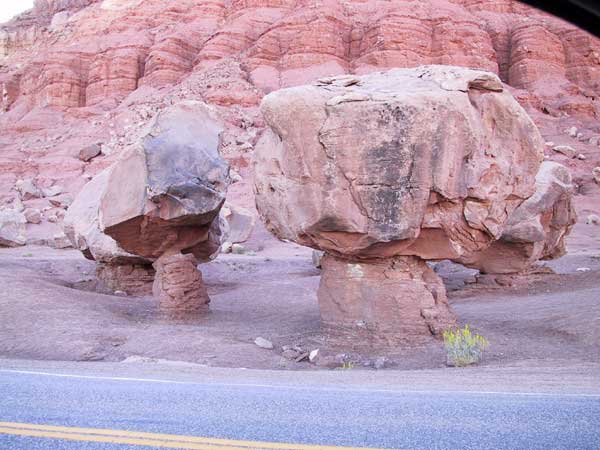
{"type": "Point", "coordinates": [50, 311]}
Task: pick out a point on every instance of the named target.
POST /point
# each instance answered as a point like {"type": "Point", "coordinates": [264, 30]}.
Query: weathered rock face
{"type": "Point", "coordinates": [537, 229]}
{"type": "Point", "coordinates": [135, 279]}
{"type": "Point", "coordinates": [385, 171]}
{"type": "Point", "coordinates": [82, 227]}
{"type": "Point", "coordinates": [162, 200]}
{"type": "Point", "coordinates": [178, 286]}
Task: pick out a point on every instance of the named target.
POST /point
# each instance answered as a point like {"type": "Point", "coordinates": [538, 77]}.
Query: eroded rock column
{"type": "Point", "coordinates": [158, 208]}
{"type": "Point", "coordinates": [383, 303]}
{"type": "Point", "coordinates": [179, 287]}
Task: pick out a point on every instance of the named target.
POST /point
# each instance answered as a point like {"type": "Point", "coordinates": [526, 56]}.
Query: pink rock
{"type": "Point", "coordinates": [159, 200]}
{"type": "Point", "coordinates": [385, 171]}
{"type": "Point", "coordinates": [385, 303]}
{"type": "Point", "coordinates": [537, 229]}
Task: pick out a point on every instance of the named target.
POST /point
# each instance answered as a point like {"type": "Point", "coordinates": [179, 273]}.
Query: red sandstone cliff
{"type": "Point", "coordinates": [80, 72]}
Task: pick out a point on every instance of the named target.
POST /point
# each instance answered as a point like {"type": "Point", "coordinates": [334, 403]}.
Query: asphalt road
{"type": "Point", "coordinates": [32, 402]}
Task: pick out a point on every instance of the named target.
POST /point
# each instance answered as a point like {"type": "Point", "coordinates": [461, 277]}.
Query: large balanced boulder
{"type": "Point", "coordinates": [387, 170]}
{"type": "Point", "coordinates": [160, 203]}
{"type": "Point", "coordinates": [537, 229]}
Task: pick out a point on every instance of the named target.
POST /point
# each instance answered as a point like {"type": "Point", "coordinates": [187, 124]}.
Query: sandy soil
{"type": "Point", "coordinates": [47, 312]}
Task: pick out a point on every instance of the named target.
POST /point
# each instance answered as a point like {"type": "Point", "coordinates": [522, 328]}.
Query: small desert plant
{"type": "Point", "coordinates": [463, 348]}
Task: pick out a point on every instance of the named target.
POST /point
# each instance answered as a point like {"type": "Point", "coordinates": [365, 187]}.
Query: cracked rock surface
{"type": "Point", "coordinates": [426, 162]}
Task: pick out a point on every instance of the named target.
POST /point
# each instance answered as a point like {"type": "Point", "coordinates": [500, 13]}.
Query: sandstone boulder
{"type": "Point", "coordinates": [427, 162]}
{"type": "Point", "coordinates": [387, 170]}
{"type": "Point", "coordinates": [537, 229]}
{"type": "Point", "coordinates": [240, 223]}
{"type": "Point", "coordinates": [167, 190]}
{"type": "Point", "coordinates": [162, 201]}
{"type": "Point", "coordinates": [82, 226]}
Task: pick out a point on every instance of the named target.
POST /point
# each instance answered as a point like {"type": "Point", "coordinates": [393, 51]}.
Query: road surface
{"type": "Point", "coordinates": [67, 407]}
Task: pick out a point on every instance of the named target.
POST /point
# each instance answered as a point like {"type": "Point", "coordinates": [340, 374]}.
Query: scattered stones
{"type": "Point", "coordinates": [593, 219]}
{"type": "Point", "coordinates": [566, 150]}
{"type": "Point", "coordinates": [62, 201]}
{"type": "Point", "coordinates": [594, 140]}
{"type": "Point", "coordinates": [12, 228]}
{"type": "Point", "coordinates": [583, 269]}
{"type": "Point", "coordinates": [313, 355]}
{"type": "Point", "coordinates": [90, 152]}
{"type": "Point", "coordinates": [581, 157]}
{"type": "Point", "coordinates": [376, 289]}
{"type": "Point", "coordinates": [59, 241]}
{"type": "Point", "coordinates": [572, 132]}
{"type": "Point", "coordinates": [263, 343]}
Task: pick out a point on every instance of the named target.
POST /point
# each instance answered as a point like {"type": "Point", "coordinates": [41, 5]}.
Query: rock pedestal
{"type": "Point", "coordinates": [385, 303]}
{"type": "Point", "coordinates": [179, 287]}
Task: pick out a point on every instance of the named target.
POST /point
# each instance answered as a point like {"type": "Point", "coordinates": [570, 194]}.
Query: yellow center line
{"type": "Point", "coordinates": [158, 440]}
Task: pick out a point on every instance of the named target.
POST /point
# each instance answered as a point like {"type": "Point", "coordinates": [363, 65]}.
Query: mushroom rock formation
{"type": "Point", "coordinates": [162, 202]}
{"type": "Point", "coordinates": [159, 203]}
{"type": "Point", "coordinates": [117, 269]}
{"type": "Point", "coordinates": [385, 171]}
{"type": "Point", "coordinates": [537, 229]}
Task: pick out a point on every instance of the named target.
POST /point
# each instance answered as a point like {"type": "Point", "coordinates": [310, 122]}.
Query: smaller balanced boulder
{"type": "Point", "coordinates": [537, 229]}
{"type": "Point", "coordinates": [385, 171]}
{"type": "Point", "coordinates": [160, 203]}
